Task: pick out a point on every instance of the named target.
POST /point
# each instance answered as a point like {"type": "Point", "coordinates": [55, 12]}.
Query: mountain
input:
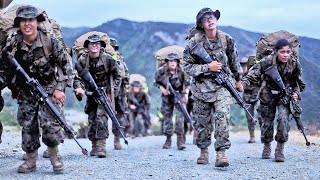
{"type": "Point", "coordinates": [140, 40]}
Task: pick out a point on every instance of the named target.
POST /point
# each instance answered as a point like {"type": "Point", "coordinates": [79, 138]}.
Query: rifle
{"type": "Point", "coordinates": [42, 97]}
{"type": "Point", "coordinates": [101, 98]}
{"type": "Point", "coordinates": [222, 79]}
{"type": "Point", "coordinates": [178, 101]}
{"type": "Point", "coordinates": [141, 109]}
{"type": "Point", "coordinates": [286, 99]}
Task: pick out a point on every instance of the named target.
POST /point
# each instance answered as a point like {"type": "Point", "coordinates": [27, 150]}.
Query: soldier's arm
{"type": "Point", "coordinates": [116, 73]}
{"type": "Point", "coordinates": [157, 78]}
{"type": "Point", "coordinates": [126, 78]}
{"type": "Point", "coordinates": [190, 66]}
{"type": "Point", "coordinates": [253, 76]}
{"type": "Point", "coordinates": [299, 85]}
{"type": "Point", "coordinates": [63, 61]}
{"type": "Point", "coordinates": [233, 59]}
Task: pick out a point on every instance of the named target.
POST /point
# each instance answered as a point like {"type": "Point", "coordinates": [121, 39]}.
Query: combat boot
{"type": "Point", "coordinates": [221, 159]}
{"type": "Point", "coordinates": [30, 163]}
{"type": "Point", "coordinates": [94, 150]}
{"type": "Point", "coordinates": [180, 142]}
{"type": "Point", "coordinates": [55, 159]}
{"type": "Point", "coordinates": [101, 151]}
{"type": "Point", "coordinates": [204, 156]}
{"type": "Point", "coordinates": [279, 156]}
{"type": "Point", "coordinates": [252, 138]}
{"type": "Point", "coordinates": [167, 144]}
{"type": "Point", "coordinates": [116, 143]}
{"type": "Point", "coordinates": [266, 151]}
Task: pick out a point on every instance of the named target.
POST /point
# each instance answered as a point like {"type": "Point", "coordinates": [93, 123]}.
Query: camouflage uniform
{"type": "Point", "coordinates": [34, 62]}
{"type": "Point", "coordinates": [47, 61]}
{"type": "Point", "coordinates": [136, 119]}
{"type": "Point", "coordinates": [121, 99]}
{"type": "Point", "coordinates": [100, 68]}
{"type": "Point", "coordinates": [212, 101]}
{"type": "Point", "coordinates": [270, 103]}
{"type": "Point", "coordinates": [180, 83]}
{"type": "Point", "coordinates": [250, 96]}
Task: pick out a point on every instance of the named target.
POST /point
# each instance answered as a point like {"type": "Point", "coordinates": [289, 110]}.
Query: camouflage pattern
{"type": "Point", "coordinates": [135, 118]}
{"type": "Point", "coordinates": [167, 108]}
{"type": "Point", "coordinates": [121, 104]}
{"type": "Point", "coordinates": [32, 115]}
{"type": "Point", "coordinates": [180, 83]}
{"type": "Point", "coordinates": [270, 103]}
{"type": "Point", "coordinates": [212, 101]}
{"type": "Point", "coordinates": [101, 69]}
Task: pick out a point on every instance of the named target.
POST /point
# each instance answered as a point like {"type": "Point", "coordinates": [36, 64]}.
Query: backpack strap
{"type": "Point", "coordinates": [47, 43]}
{"type": "Point", "coordinates": [223, 40]}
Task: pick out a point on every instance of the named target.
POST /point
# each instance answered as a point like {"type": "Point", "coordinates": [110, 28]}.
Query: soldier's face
{"type": "Point", "coordinates": [29, 26]}
{"type": "Point", "coordinates": [94, 47]}
{"type": "Point", "coordinates": [172, 64]}
{"type": "Point", "coordinates": [136, 89]}
{"type": "Point", "coordinates": [209, 22]}
{"type": "Point", "coordinates": [284, 54]}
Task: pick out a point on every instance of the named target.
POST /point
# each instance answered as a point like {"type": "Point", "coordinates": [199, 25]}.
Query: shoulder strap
{"type": "Point", "coordinates": [223, 40]}
{"type": "Point", "coordinates": [47, 43]}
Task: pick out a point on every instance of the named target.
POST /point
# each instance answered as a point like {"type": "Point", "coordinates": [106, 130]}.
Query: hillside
{"type": "Point", "coordinates": [140, 40]}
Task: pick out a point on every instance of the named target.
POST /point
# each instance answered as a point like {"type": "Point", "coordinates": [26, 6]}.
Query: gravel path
{"type": "Point", "coordinates": [144, 159]}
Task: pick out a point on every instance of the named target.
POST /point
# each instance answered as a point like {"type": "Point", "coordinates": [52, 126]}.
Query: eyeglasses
{"type": "Point", "coordinates": [207, 18]}
{"type": "Point", "coordinates": [285, 51]}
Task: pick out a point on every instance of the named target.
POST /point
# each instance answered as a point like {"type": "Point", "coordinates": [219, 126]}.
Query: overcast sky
{"type": "Point", "coordinates": [299, 17]}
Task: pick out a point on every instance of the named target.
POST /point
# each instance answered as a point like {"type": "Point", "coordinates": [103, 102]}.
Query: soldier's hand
{"type": "Point", "coordinates": [239, 86]}
{"type": "Point", "coordinates": [185, 98]}
{"type": "Point", "coordinates": [79, 92]}
{"type": "Point", "coordinates": [294, 96]}
{"type": "Point", "coordinates": [164, 91]}
{"type": "Point", "coordinates": [58, 96]}
{"type": "Point", "coordinates": [133, 107]}
{"type": "Point", "coordinates": [215, 66]}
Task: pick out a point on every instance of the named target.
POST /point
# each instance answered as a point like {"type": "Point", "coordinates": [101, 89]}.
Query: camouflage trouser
{"type": "Point", "coordinates": [207, 114]}
{"type": "Point", "coordinates": [98, 121]}
{"type": "Point", "coordinates": [121, 116]}
{"type": "Point", "coordinates": [268, 112]}
{"type": "Point", "coordinates": [167, 107]}
{"type": "Point", "coordinates": [137, 123]}
{"type": "Point", "coordinates": [252, 108]}
{"type": "Point", "coordinates": [30, 114]}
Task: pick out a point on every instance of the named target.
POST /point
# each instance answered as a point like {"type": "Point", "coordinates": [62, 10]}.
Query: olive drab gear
{"type": "Point", "coordinates": [265, 46]}
{"type": "Point", "coordinates": [78, 45]}
{"type": "Point", "coordinates": [162, 54]}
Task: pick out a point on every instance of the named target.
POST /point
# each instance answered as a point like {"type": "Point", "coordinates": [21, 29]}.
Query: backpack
{"type": "Point", "coordinates": [78, 44]}
{"type": "Point", "coordinates": [162, 53]}
{"type": "Point", "coordinates": [265, 45]}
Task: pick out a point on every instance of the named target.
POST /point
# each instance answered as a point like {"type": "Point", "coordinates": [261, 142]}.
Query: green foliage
{"type": "Point", "coordinates": [8, 119]}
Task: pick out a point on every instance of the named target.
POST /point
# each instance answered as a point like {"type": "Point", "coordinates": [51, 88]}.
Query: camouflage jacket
{"type": "Point", "coordinates": [290, 72]}
{"type": "Point", "coordinates": [100, 68]}
{"type": "Point", "coordinates": [203, 86]}
{"type": "Point", "coordinates": [178, 80]}
{"type": "Point", "coordinates": [52, 72]}
{"type": "Point", "coordinates": [142, 97]}
{"type": "Point", "coordinates": [124, 72]}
